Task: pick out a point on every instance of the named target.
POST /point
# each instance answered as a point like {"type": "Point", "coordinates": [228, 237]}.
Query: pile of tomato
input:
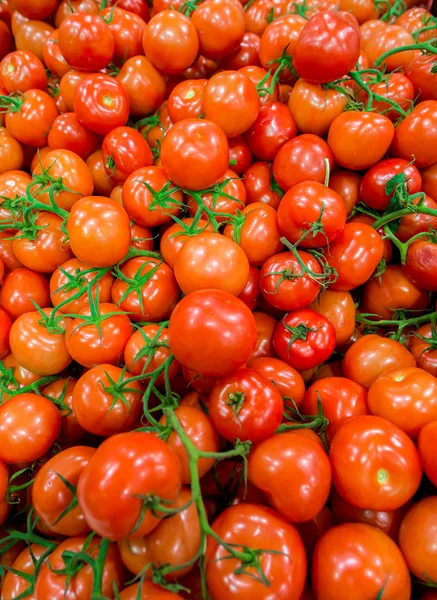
{"type": "Point", "coordinates": [218, 321]}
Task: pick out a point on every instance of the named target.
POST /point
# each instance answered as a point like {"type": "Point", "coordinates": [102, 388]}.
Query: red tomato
{"type": "Point", "coordinates": [339, 308]}
{"type": "Point", "coordinates": [355, 560]}
{"type": "Point", "coordinates": [391, 472]}
{"type": "Point", "coordinates": [86, 42]}
{"type": "Point", "coordinates": [255, 526]}
{"type": "Point", "coordinates": [398, 88]}
{"type": "Point", "coordinates": [385, 38]}
{"type": "Point", "coordinates": [61, 391]}
{"type": "Point", "coordinates": [424, 351]}
{"type": "Point", "coordinates": [328, 47]}
{"type": "Point", "coordinates": [29, 425]}
{"type": "Point", "coordinates": [212, 332]}
{"type": "Point", "coordinates": [145, 86]}
{"type": "Point", "coordinates": [373, 185]}
{"type": "Point", "coordinates": [33, 119]}
{"type": "Point", "coordinates": [20, 287]}
{"type": "Point", "coordinates": [15, 584]}
{"type": "Point", "coordinates": [273, 127]}
{"type": "Point", "coordinates": [21, 71]}
{"type": "Point", "coordinates": [5, 328]}
{"type": "Point", "coordinates": [261, 186]}
{"type": "Point", "coordinates": [340, 398]}
{"type": "Point", "coordinates": [293, 471]}
{"type": "Point", "coordinates": [147, 591]}
{"type": "Point", "coordinates": [225, 198]}
{"type": "Point", "coordinates": [68, 134]}
{"type": "Point", "coordinates": [247, 53]}
{"type": "Point", "coordinates": [287, 380]}
{"type": "Point", "coordinates": [127, 29]}
{"type": "Point", "coordinates": [53, 57]}
{"type": "Point", "coordinates": [220, 27]}
{"type": "Point", "coordinates": [124, 151]}
{"type": "Point", "coordinates": [427, 445]}
{"type": "Point", "coordinates": [246, 406]}
{"type": "Point", "coordinates": [420, 267]}
{"type": "Point", "coordinates": [185, 100]}
{"type": "Point", "coordinates": [347, 185]}
{"type": "Point", "coordinates": [304, 339]}
{"type": "Point", "coordinates": [265, 327]}
{"type": "Point", "coordinates": [417, 539]}
{"type": "Point", "coordinates": [139, 463]}
{"type": "Point", "coordinates": [240, 156]}
{"type": "Point", "coordinates": [408, 140]}
{"type": "Point", "coordinates": [279, 39]}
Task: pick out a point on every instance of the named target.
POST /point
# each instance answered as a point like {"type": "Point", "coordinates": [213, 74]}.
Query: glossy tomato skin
{"type": "Point", "coordinates": [265, 327]}
{"type": "Point", "coordinates": [340, 398]}
{"type": "Point", "coordinates": [287, 380]}
{"type": "Point", "coordinates": [391, 473]}
{"type": "Point", "coordinates": [185, 100]}
{"type": "Point", "coordinates": [355, 560]}
{"type": "Point", "coordinates": [273, 127]}
{"type": "Point", "coordinates": [212, 332]}
{"type": "Point", "coordinates": [354, 254]}
{"type": "Point", "coordinates": [294, 472]}
{"type": "Point", "coordinates": [423, 351]}
{"type": "Point", "coordinates": [280, 37]}
{"type": "Point", "coordinates": [373, 184]}
{"type": "Point", "coordinates": [420, 267]}
{"type": "Point", "coordinates": [408, 140]}
{"type": "Point", "coordinates": [427, 444]}
{"type": "Point", "coordinates": [314, 341]}
{"type": "Point", "coordinates": [246, 406]}
{"type": "Point", "coordinates": [29, 426]}
{"type": "Point", "coordinates": [67, 133]}
{"type": "Point", "coordinates": [148, 590]}
{"type": "Point", "coordinates": [360, 139]}
{"type": "Point", "coordinates": [372, 355]}
{"type": "Point", "coordinates": [385, 38]}
{"type": "Point", "coordinates": [62, 390]}
{"type": "Point", "coordinates": [145, 85]}
{"type": "Point", "coordinates": [13, 584]}
{"type": "Point", "coordinates": [257, 527]}
{"type": "Point", "coordinates": [5, 328]}
{"type": "Point", "coordinates": [195, 153]}
{"type": "Point", "coordinates": [260, 185]}
{"type": "Point", "coordinates": [417, 539]}
{"type": "Point", "coordinates": [327, 48]}
{"type": "Point", "coordinates": [314, 107]}
{"type": "Point", "coordinates": [31, 123]}
{"type": "Point", "coordinates": [220, 26]}
{"type": "Point", "coordinates": [86, 42]}
{"type": "Point", "coordinates": [417, 222]}
{"type": "Point", "coordinates": [302, 159]}
{"type": "Point", "coordinates": [339, 308]}
{"type": "Point", "coordinates": [51, 497]}
{"type": "Point", "coordinates": [121, 455]}
{"type": "Point", "coordinates": [124, 151]}
{"type": "Point", "coordinates": [21, 71]}
{"type": "Point", "coordinates": [305, 204]}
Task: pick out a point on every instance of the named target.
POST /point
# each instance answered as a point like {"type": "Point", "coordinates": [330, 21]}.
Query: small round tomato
{"type": "Point", "coordinates": [195, 153]}
{"type": "Point", "coordinates": [212, 332]}
{"type": "Point", "coordinates": [101, 103]}
{"type": "Point", "coordinates": [99, 231]}
{"type": "Point", "coordinates": [304, 158]}
{"type": "Point", "coordinates": [371, 356]}
{"type": "Point", "coordinates": [178, 234]}
{"type": "Point", "coordinates": [304, 339]}
{"type": "Point", "coordinates": [420, 267]}
{"type": "Point", "coordinates": [86, 42]}
{"type": "Point", "coordinates": [409, 138]}
{"type": "Point", "coordinates": [417, 539]}
{"type": "Point", "coordinates": [327, 48]}
{"type": "Point", "coordinates": [21, 287]}
{"type": "Point", "coordinates": [373, 185]}
{"type": "Point", "coordinates": [157, 472]}
{"type": "Point", "coordinates": [273, 127]}
{"type": "Point", "coordinates": [29, 425]}
{"type": "Point", "coordinates": [283, 561]}
{"type": "Point", "coordinates": [92, 341]}
{"type": "Point", "coordinates": [427, 445]}
{"type": "Point", "coordinates": [293, 471]}
{"type": "Point", "coordinates": [340, 399]}
{"type": "Point", "coordinates": [240, 156]}
{"type": "Point", "coordinates": [21, 71]}
{"type": "Point", "coordinates": [220, 26]}
{"type": "Point", "coordinates": [170, 41]}
{"type": "Point", "coordinates": [355, 560]}
{"type": "Point", "coordinates": [211, 261]}
{"type": "Point", "coordinates": [339, 308]}
{"type": "Point", "coordinates": [391, 473]}
{"type": "Point", "coordinates": [226, 197]}
{"type": "Point", "coordinates": [104, 403]}
{"type": "Point", "coordinates": [246, 406]}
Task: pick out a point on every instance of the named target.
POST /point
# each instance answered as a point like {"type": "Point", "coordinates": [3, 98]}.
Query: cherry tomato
{"type": "Point", "coordinates": [416, 539]}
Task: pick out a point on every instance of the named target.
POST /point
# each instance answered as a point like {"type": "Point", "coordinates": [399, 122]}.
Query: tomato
{"type": "Point", "coordinates": [29, 425]}
{"type": "Point", "coordinates": [68, 134]}
{"type": "Point", "coordinates": [146, 351]}
{"type": "Point", "coordinates": [417, 222]}
{"type": "Point", "coordinates": [145, 86]}
{"type": "Point", "coordinates": [71, 278]}
{"type": "Point", "coordinates": [427, 444]}
{"type": "Point", "coordinates": [339, 308]}
{"type": "Point", "coordinates": [36, 9]}
{"type": "Point", "coordinates": [32, 36]}
{"type": "Point", "coordinates": [11, 152]}
{"type": "Point", "coordinates": [99, 231]}
{"type": "Point", "coordinates": [231, 100]}
{"type": "Point", "coordinates": [359, 561]}
{"type": "Point", "coordinates": [20, 287]}
{"type": "Point", "coordinates": [391, 472]}
{"type": "Point", "coordinates": [273, 127]}
{"type": "Point", "coordinates": [265, 327]}
{"type": "Point", "coordinates": [14, 584]}
{"type": "Point", "coordinates": [125, 151]}
{"type": "Point", "coordinates": [51, 583]}
{"type": "Point", "coordinates": [220, 26]}
{"type": "Point", "coordinates": [304, 339]}
{"type": "Point", "coordinates": [61, 391]}
{"type": "Point", "coordinates": [36, 347]}
{"type": "Point", "coordinates": [314, 107]}
{"type": "Point", "coordinates": [139, 463]}
{"type": "Point", "coordinates": [294, 472]}
{"type": "Point", "coordinates": [372, 355]}
{"type": "Point", "coordinates": [21, 71]}
{"type": "Point", "coordinates": [146, 289]}
{"type": "Point", "coordinates": [195, 153]}
{"type": "Point", "coordinates": [354, 255]}
{"type": "Point", "coordinates": [340, 398]}
{"type": "Point", "coordinates": [279, 38]}
{"type": "Point", "coordinates": [347, 185]}
{"type": "Point", "coordinates": [202, 433]}
{"type": "Point", "coordinates": [420, 125]}
{"type": "Point", "coordinates": [146, 590]}
{"type": "Point", "coordinates": [7, 254]}
{"type": "Point", "coordinates": [260, 185]}
{"type": "Point", "coordinates": [385, 38]}
{"type": "Point", "coordinates": [360, 139]}
{"type": "Point", "coordinates": [307, 203]}
{"type": "Point", "coordinates": [420, 267]}
{"type": "Point", "coordinates": [423, 351]}
{"type": "Point", "coordinates": [419, 72]}
{"type": "Point", "coordinates": [170, 42]}
{"type": "Point", "coordinates": [53, 57]}
{"type": "Point", "coordinates": [263, 81]}
{"type": "Point", "coordinates": [92, 342]}
{"type": "Point", "coordinates": [302, 159]}
{"type": "Point", "coordinates": [127, 29]}
{"type": "Point", "coordinates": [5, 328]}
{"type": "Point", "coordinates": [185, 100]}
{"type": "Point", "coordinates": [34, 118]}
{"type": "Point", "coordinates": [283, 283]}
{"type": "Point", "coordinates": [68, 84]}
{"type": "Point", "coordinates": [175, 236]}
{"type": "Point", "coordinates": [396, 87]}
{"type": "Point", "coordinates": [103, 403]}
{"type": "Point", "coordinates": [255, 526]}
{"type": "Point", "coordinates": [393, 291]}
{"type": "Point", "coordinates": [211, 261]}
{"type": "Point", "coordinates": [86, 42]}
{"type": "Point", "coordinates": [245, 405]}
{"type": "Point", "coordinates": [212, 332]}
{"type": "Point", "coordinates": [327, 48]}
{"type": "Point", "coordinates": [51, 498]}
{"type": "Point", "coordinates": [240, 156]}
{"type": "Point", "coordinates": [417, 541]}
{"type": "Point", "coordinates": [247, 53]}
{"type": "Point", "coordinates": [226, 197]}
{"type": "Point", "coordinates": [174, 542]}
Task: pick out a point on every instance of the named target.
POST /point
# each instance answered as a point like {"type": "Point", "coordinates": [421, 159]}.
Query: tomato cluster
{"type": "Point", "coordinates": [218, 277]}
